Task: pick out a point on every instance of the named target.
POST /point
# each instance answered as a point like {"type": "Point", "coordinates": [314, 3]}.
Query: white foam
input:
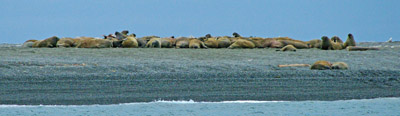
{"type": "Point", "coordinates": [194, 102]}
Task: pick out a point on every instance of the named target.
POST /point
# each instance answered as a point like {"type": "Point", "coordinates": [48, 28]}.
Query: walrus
{"type": "Point", "coordinates": [315, 43]}
{"type": "Point", "coordinates": [31, 40]}
{"type": "Point", "coordinates": [336, 39]}
{"type": "Point", "coordinates": [125, 33]}
{"type": "Point", "coordinates": [66, 42]}
{"type": "Point", "coordinates": [236, 34]}
{"type": "Point", "coordinates": [49, 43]}
{"type": "Point", "coordinates": [211, 42]}
{"type": "Point", "coordinates": [130, 42]}
{"type": "Point", "coordinates": [259, 42]}
{"type": "Point", "coordinates": [195, 43]}
{"type": "Point", "coordinates": [242, 43]}
{"type": "Point", "coordinates": [168, 42]}
{"type": "Point", "coordinates": [233, 39]}
{"type": "Point", "coordinates": [340, 66]}
{"type": "Point", "coordinates": [297, 44]}
{"type": "Point", "coordinates": [141, 42]}
{"type": "Point", "coordinates": [350, 41]}
{"type": "Point", "coordinates": [289, 41]}
{"type": "Point", "coordinates": [271, 43]}
{"type": "Point", "coordinates": [223, 42]}
{"type": "Point", "coordinates": [154, 43]}
{"type": "Point", "coordinates": [357, 48]}
{"type": "Point", "coordinates": [182, 42]}
{"type": "Point", "coordinates": [94, 43]}
{"type": "Point", "coordinates": [288, 48]}
{"type": "Point", "coordinates": [28, 43]}
{"type": "Point", "coordinates": [119, 35]}
{"type": "Point", "coordinates": [148, 38]}
{"type": "Point", "coordinates": [321, 65]}
{"type": "Point", "coordinates": [204, 38]}
{"type": "Point", "coordinates": [328, 44]}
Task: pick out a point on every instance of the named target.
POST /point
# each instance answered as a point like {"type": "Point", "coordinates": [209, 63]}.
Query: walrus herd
{"type": "Point", "coordinates": [125, 40]}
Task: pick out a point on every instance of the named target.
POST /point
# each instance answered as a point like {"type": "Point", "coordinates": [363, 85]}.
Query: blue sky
{"type": "Point", "coordinates": [368, 20]}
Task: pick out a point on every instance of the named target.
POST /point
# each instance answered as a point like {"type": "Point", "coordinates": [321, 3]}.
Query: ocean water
{"type": "Point", "coordinates": [369, 107]}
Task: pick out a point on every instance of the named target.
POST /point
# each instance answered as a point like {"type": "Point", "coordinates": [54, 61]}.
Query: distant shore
{"type": "Point", "coordinates": [70, 76]}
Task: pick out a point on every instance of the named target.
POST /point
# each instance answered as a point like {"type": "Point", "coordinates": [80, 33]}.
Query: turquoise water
{"type": "Point", "coordinates": [370, 107]}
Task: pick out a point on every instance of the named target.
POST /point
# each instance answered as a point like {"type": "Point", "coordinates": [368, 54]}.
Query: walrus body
{"type": "Point", "coordinates": [167, 42]}
{"type": "Point", "coordinates": [154, 43]}
{"type": "Point", "coordinates": [130, 42]}
{"type": "Point", "coordinates": [321, 65]}
{"type": "Point", "coordinates": [340, 66]}
{"type": "Point", "coordinates": [195, 43]}
{"type": "Point", "coordinates": [182, 42]}
{"type": "Point", "coordinates": [242, 43]}
{"type": "Point", "coordinates": [272, 43]}
{"type": "Point", "coordinates": [315, 43]}
{"type": "Point", "coordinates": [288, 48]}
{"type": "Point", "coordinates": [350, 41]}
{"type": "Point", "coordinates": [259, 42]}
{"type": "Point", "coordinates": [66, 42]}
{"type": "Point", "coordinates": [46, 43]}
{"type": "Point", "coordinates": [289, 41]}
{"type": "Point", "coordinates": [141, 42]}
{"type": "Point", "coordinates": [211, 42]}
{"type": "Point", "coordinates": [94, 43]}
{"type": "Point", "coordinates": [223, 42]}
{"type": "Point", "coordinates": [28, 43]}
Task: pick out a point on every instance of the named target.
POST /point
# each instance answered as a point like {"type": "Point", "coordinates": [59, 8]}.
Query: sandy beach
{"type": "Point", "coordinates": [72, 76]}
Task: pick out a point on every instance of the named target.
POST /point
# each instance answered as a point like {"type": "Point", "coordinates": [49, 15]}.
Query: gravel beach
{"type": "Point", "coordinates": [76, 76]}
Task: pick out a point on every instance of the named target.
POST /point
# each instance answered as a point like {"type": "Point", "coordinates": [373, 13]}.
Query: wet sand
{"type": "Point", "coordinates": [72, 76]}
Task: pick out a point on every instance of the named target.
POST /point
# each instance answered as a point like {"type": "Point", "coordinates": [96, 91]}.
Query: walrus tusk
{"type": "Point", "coordinates": [294, 65]}
{"type": "Point", "coordinates": [356, 48]}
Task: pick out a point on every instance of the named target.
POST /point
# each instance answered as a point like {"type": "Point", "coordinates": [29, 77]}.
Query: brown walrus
{"type": "Point", "coordinates": [223, 42]}
{"type": "Point", "coordinates": [336, 39]}
{"type": "Point", "coordinates": [242, 43]}
{"type": "Point", "coordinates": [182, 42]}
{"type": "Point", "coordinates": [29, 43]}
{"type": "Point", "coordinates": [66, 42]}
{"type": "Point", "coordinates": [130, 42]}
{"type": "Point", "coordinates": [49, 43]}
{"type": "Point", "coordinates": [211, 42]}
{"type": "Point", "coordinates": [340, 66]}
{"type": "Point", "coordinates": [195, 43]}
{"type": "Point", "coordinates": [288, 48]}
{"type": "Point", "coordinates": [154, 43]}
{"type": "Point", "coordinates": [321, 65]}
{"type": "Point", "coordinates": [350, 41]}
{"type": "Point", "coordinates": [94, 43]}
{"type": "Point", "coordinates": [315, 43]}
{"type": "Point", "coordinates": [328, 44]}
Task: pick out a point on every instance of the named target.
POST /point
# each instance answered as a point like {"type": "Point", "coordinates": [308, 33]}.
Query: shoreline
{"type": "Point", "coordinates": [193, 102]}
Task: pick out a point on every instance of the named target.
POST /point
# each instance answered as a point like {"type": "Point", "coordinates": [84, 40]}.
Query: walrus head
{"type": "Point", "coordinates": [208, 36]}
{"type": "Point", "coordinates": [236, 34]}
{"type": "Point", "coordinates": [119, 35]}
{"type": "Point", "coordinates": [350, 35]}
{"type": "Point", "coordinates": [125, 32]}
{"type": "Point", "coordinates": [324, 38]}
{"type": "Point", "coordinates": [336, 39]}
{"type": "Point", "coordinates": [132, 35]}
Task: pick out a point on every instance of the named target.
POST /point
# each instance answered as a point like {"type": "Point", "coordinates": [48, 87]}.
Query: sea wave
{"type": "Point", "coordinates": [194, 102]}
